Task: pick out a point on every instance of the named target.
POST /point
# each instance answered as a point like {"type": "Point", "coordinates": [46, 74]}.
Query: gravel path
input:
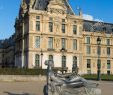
{"type": "Point", "coordinates": [36, 88]}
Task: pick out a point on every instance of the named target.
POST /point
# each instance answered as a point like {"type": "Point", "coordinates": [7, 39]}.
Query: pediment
{"type": "Point", "coordinates": [61, 6]}
{"type": "Point", "coordinates": [56, 6]}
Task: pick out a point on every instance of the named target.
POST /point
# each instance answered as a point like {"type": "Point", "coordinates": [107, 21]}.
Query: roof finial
{"type": "Point", "coordinates": [24, 5]}
{"type": "Point", "coordinates": [80, 10]}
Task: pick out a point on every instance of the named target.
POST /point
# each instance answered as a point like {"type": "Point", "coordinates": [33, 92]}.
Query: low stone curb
{"type": "Point", "coordinates": [22, 78]}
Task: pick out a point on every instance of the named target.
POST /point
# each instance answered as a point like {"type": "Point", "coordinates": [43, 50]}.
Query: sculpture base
{"type": "Point", "coordinates": [77, 91]}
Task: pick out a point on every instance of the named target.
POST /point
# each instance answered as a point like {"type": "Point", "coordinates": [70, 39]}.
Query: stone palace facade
{"type": "Point", "coordinates": [50, 30]}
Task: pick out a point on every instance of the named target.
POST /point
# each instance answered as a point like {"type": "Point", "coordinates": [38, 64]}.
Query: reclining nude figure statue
{"type": "Point", "coordinates": [69, 84]}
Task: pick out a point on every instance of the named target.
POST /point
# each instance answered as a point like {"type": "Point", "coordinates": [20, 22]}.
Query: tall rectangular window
{"type": "Point", "coordinates": [88, 63]}
{"type": "Point", "coordinates": [63, 28]}
{"type": "Point", "coordinates": [75, 44]}
{"type": "Point", "coordinates": [50, 43]}
{"type": "Point", "coordinates": [108, 41]}
{"type": "Point", "coordinates": [37, 42]}
{"type": "Point", "coordinates": [108, 64]}
{"type": "Point", "coordinates": [88, 40]}
{"type": "Point", "coordinates": [74, 29]}
{"type": "Point", "coordinates": [37, 60]}
{"type": "Point", "coordinates": [63, 25]}
{"type": "Point", "coordinates": [63, 43]}
{"type": "Point", "coordinates": [108, 50]}
{"type": "Point", "coordinates": [88, 49]}
{"type": "Point", "coordinates": [51, 24]}
{"type": "Point", "coordinates": [37, 25]}
{"type": "Point", "coordinates": [63, 61]}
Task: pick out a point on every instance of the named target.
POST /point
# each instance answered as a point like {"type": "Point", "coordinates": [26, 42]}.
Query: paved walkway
{"type": "Point", "coordinates": [106, 87]}
{"type": "Point", "coordinates": [36, 88]}
{"type": "Point", "coordinates": [21, 88]}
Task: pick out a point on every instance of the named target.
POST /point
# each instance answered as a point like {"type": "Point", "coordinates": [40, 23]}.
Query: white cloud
{"type": "Point", "coordinates": [99, 20]}
{"type": "Point", "coordinates": [87, 17]}
{"type": "Point", "coordinates": [91, 18]}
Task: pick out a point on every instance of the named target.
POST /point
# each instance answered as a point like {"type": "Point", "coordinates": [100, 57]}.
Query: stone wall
{"type": "Point", "coordinates": [22, 78]}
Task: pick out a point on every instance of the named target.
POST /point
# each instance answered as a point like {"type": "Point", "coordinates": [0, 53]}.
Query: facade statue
{"type": "Point", "coordinates": [69, 84]}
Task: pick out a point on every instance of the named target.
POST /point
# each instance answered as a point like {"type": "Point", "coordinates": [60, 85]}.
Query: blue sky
{"type": "Point", "coordinates": [92, 9]}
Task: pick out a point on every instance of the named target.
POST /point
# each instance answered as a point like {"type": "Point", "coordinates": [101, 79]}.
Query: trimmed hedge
{"type": "Point", "coordinates": [103, 77]}
{"type": "Point", "coordinates": [15, 71]}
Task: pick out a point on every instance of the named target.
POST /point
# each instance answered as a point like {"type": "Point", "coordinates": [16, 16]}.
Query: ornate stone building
{"type": "Point", "coordinates": [7, 52]}
{"type": "Point", "coordinates": [49, 29]}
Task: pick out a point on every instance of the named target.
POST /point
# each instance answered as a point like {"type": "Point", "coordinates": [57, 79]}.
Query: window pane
{"type": "Point", "coordinates": [108, 50]}
{"type": "Point", "coordinates": [63, 43]}
{"type": "Point", "coordinates": [37, 60]}
{"type": "Point", "coordinates": [37, 42]}
{"type": "Point", "coordinates": [88, 40]}
{"type": "Point", "coordinates": [63, 61]}
{"type": "Point", "coordinates": [108, 64]}
{"type": "Point", "coordinates": [75, 44]}
{"type": "Point", "coordinates": [74, 29]}
{"type": "Point", "coordinates": [108, 41]}
{"type": "Point", "coordinates": [50, 26]}
{"type": "Point", "coordinates": [63, 28]}
{"type": "Point", "coordinates": [37, 17]}
{"type": "Point", "coordinates": [50, 43]}
{"type": "Point", "coordinates": [88, 63]}
{"type": "Point", "coordinates": [63, 20]}
{"type": "Point", "coordinates": [37, 25]}
{"type": "Point", "coordinates": [88, 49]}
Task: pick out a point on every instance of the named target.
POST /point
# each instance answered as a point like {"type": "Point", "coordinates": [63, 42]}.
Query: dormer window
{"type": "Point", "coordinates": [37, 17]}
{"type": "Point", "coordinates": [63, 20]}
{"type": "Point", "coordinates": [104, 28]}
{"type": "Point", "coordinates": [112, 29]}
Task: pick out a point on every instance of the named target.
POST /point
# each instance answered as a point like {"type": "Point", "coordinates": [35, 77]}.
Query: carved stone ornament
{"type": "Point", "coordinates": [57, 6]}
{"type": "Point", "coordinates": [57, 42]}
{"type": "Point", "coordinates": [24, 5]}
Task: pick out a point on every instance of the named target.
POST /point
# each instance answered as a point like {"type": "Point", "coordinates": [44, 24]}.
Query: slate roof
{"type": "Point", "coordinates": [95, 26]}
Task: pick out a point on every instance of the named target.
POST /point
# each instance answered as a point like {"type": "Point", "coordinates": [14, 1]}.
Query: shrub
{"type": "Point", "coordinates": [15, 71]}
{"type": "Point", "coordinates": [94, 77]}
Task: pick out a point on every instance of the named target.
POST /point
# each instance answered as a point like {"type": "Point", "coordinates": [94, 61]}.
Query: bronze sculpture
{"type": "Point", "coordinates": [69, 84]}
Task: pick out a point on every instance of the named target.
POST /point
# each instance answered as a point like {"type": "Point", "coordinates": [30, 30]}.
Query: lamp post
{"type": "Point", "coordinates": [23, 64]}
{"type": "Point", "coordinates": [3, 54]}
{"type": "Point", "coordinates": [62, 50]}
{"type": "Point", "coordinates": [98, 63]}
{"type": "Point", "coordinates": [41, 58]}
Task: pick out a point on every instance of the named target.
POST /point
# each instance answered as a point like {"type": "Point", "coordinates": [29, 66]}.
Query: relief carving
{"type": "Point", "coordinates": [57, 42]}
